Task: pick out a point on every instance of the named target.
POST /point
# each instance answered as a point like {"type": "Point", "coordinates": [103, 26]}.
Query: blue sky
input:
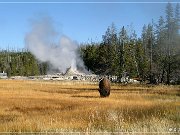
{"type": "Point", "coordinates": [79, 21]}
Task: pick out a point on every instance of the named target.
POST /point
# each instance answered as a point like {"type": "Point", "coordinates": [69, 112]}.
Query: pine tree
{"type": "Point", "coordinates": [175, 74]}
{"type": "Point", "coordinates": [144, 38]}
{"type": "Point", "coordinates": [170, 35]}
{"type": "Point", "coordinates": [110, 41]}
{"type": "Point", "coordinates": [160, 49]}
{"type": "Point", "coordinates": [177, 18]}
{"type": "Point", "coordinates": [123, 40]}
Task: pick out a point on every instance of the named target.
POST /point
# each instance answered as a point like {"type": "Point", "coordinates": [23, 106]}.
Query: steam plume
{"type": "Point", "coordinates": [42, 42]}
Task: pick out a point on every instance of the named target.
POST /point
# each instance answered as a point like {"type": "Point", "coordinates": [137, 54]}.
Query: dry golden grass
{"type": "Point", "coordinates": [47, 106]}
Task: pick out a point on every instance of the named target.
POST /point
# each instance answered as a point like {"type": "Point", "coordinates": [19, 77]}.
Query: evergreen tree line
{"type": "Point", "coordinates": [21, 63]}
{"type": "Point", "coordinates": [154, 57]}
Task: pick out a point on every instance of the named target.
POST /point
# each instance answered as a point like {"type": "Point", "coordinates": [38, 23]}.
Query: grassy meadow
{"type": "Point", "coordinates": [60, 106]}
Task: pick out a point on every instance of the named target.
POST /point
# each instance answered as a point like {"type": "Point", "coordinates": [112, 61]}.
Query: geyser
{"type": "Point", "coordinates": [42, 42]}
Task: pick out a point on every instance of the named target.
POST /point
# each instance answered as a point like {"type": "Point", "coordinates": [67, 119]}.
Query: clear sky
{"type": "Point", "coordinates": [79, 21]}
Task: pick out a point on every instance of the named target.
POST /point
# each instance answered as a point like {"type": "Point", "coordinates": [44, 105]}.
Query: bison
{"type": "Point", "coordinates": [104, 87]}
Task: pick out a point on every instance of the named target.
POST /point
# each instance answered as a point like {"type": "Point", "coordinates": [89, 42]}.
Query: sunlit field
{"type": "Point", "coordinates": [60, 106]}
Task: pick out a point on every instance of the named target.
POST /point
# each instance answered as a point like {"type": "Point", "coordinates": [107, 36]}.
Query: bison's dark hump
{"type": "Point", "coordinates": [104, 87]}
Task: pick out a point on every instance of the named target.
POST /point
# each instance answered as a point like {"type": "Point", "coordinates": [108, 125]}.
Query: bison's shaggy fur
{"type": "Point", "coordinates": [104, 87]}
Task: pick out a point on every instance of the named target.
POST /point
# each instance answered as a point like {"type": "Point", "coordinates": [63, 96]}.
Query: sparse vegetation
{"type": "Point", "coordinates": [45, 106]}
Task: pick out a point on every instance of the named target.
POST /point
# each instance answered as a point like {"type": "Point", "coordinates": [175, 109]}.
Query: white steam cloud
{"type": "Point", "coordinates": [42, 42]}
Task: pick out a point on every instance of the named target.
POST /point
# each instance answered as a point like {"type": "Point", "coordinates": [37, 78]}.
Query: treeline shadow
{"type": "Point", "coordinates": [79, 96]}
{"type": "Point", "coordinates": [81, 89]}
